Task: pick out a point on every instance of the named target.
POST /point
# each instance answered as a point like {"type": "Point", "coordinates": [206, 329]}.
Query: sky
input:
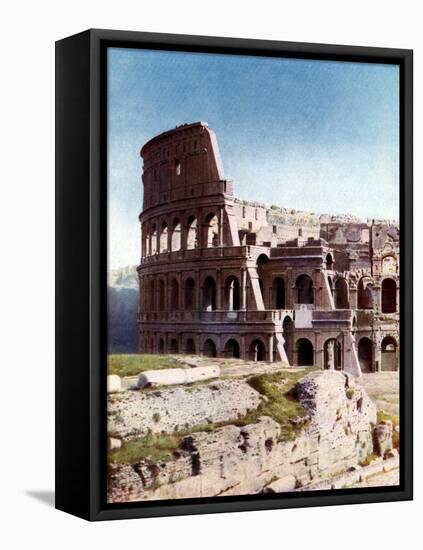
{"type": "Point", "coordinates": [320, 136]}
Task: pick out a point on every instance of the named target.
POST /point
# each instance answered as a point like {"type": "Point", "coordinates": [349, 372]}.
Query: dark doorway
{"type": "Point", "coordinates": [389, 296]}
{"type": "Point", "coordinates": [305, 353]}
{"type": "Point", "coordinates": [365, 354]}
{"type": "Point", "coordinates": [232, 348]}
{"type": "Point", "coordinates": [257, 350]}
{"type": "Point", "coordinates": [279, 293]}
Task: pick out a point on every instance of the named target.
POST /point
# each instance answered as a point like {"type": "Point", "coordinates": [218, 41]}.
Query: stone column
{"type": "Point", "coordinates": [331, 357]}
{"type": "Point", "coordinates": [271, 348]}
{"type": "Point", "coordinates": [221, 226]}
{"type": "Point", "coordinates": [243, 304]}
{"type": "Point", "coordinates": [219, 290]}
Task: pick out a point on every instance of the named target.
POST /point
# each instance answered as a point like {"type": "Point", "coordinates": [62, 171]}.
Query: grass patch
{"type": "Point", "coordinates": [280, 404]}
{"type": "Point", "coordinates": [133, 364]}
{"type": "Point", "coordinates": [383, 416]}
{"type": "Point", "coordinates": [369, 459]}
{"type": "Point", "coordinates": [393, 400]}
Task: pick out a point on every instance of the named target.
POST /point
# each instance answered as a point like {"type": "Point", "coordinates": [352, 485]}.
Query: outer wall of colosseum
{"type": "Point", "coordinates": [229, 278]}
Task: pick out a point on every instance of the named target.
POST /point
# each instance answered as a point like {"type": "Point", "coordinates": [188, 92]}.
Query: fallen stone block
{"type": "Point", "coordinates": [171, 377]}
{"type": "Point", "coordinates": [285, 484]}
{"type": "Point", "coordinates": [114, 383]}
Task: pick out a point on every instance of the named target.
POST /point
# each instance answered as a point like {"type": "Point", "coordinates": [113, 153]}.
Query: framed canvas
{"type": "Point", "coordinates": [234, 218]}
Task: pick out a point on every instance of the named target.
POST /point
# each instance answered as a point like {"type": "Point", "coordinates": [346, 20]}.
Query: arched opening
{"type": "Point", "coordinates": [192, 233]}
{"type": "Point", "coordinates": [151, 296]}
{"type": "Point", "coordinates": [305, 291]}
{"type": "Point", "coordinates": [209, 348]}
{"type": "Point", "coordinates": [190, 346]}
{"type": "Point", "coordinates": [232, 348]}
{"type": "Point", "coordinates": [341, 294]}
{"type": "Point", "coordinates": [389, 296]}
{"type": "Point", "coordinates": [164, 238]}
{"type": "Point", "coordinates": [288, 335]}
{"type": "Point", "coordinates": [365, 354]}
{"type": "Point", "coordinates": [161, 296]}
{"type": "Point", "coordinates": [189, 301]}
{"type": "Point", "coordinates": [174, 295]}
{"type": "Point", "coordinates": [176, 236]}
{"type": "Point", "coordinates": [209, 294]}
{"type": "Point", "coordinates": [279, 293]}
{"type": "Point", "coordinates": [330, 283]}
{"type": "Point", "coordinates": [161, 346]}
{"type": "Point", "coordinates": [332, 354]}
{"type": "Point", "coordinates": [154, 239]}
{"type": "Point", "coordinates": [212, 231]}
{"type": "Point", "coordinates": [389, 354]}
{"type": "Point", "coordinates": [305, 353]}
{"type": "Point", "coordinates": [389, 265]}
{"type": "Point", "coordinates": [257, 350]}
{"type": "Point", "coordinates": [329, 261]}
{"type": "Point", "coordinates": [174, 346]}
{"type": "Point", "coordinates": [262, 262]}
{"type": "Point", "coordinates": [232, 293]}
{"type": "Point", "coordinates": [365, 296]}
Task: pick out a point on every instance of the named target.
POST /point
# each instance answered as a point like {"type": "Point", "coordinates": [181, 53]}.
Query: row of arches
{"type": "Point", "coordinates": [189, 234]}
{"type": "Point", "coordinates": [388, 354]}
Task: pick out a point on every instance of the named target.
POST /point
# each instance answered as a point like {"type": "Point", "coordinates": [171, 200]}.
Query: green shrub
{"type": "Point", "coordinates": [133, 364]}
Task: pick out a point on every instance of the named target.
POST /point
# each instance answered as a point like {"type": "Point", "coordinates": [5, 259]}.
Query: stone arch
{"type": "Point", "coordinates": [190, 346]}
{"type": "Point", "coordinates": [304, 289]}
{"type": "Point", "coordinates": [192, 233]}
{"type": "Point", "coordinates": [209, 294]}
{"type": "Point", "coordinates": [332, 352]}
{"type": "Point", "coordinates": [161, 294]}
{"type": "Point", "coordinates": [365, 354]}
{"type": "Point", "coordinates": [389, 296]}
{"type": "Point", "coordinates": [329, 261]}
{"type": "Point", "coordinates": [389, 349]}
{"type": "Point", "coordinates": [211, 230]}
{"type": "Point", "coordinates": [145, 233]}
{"type": "Point", "coordinates": [189, 295]}
{"type": "Point", "coordinates": [342, 294]}
{"type": "Point", "coordinates": [364, 294]}
{"type": "Point", "coordinates": [175, 243]}
{"type": "Point", "coordinates": [257, 350]}
{"type": "Point", "coordinates": [174, 346]}
{"type": "Point", "coordinates": [232, 348]}
{"type": "Point", "coordinates": [163, 241]}
{"type": "Point", "coordinates": [209, 348]}
{"type": "Point", "coordinates": [279, 293]}
{"type": "Point", "coordinates": [174, 295]}
{"type": "Point", "coordinates": [161, 346]}
{"type": "Point", "coordinates": [305, 353]}
{"type": "Point", "coordinates": [232, 293]}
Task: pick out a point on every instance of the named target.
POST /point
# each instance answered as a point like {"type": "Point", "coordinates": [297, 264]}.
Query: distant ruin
{"type": "Point", "coordinates": [222, 277]}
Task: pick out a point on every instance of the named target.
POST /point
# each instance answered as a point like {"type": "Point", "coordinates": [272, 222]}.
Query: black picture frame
{"type": "Point", "coordinates": [81, 274]}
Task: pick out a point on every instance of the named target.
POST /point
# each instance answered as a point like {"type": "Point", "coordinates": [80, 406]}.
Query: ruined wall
{"type": "Point", "coordinates": [244, 460]}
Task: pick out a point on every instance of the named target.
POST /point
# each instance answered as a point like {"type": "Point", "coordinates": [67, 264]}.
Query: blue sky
{"type": "Point", "coordinates": [314, 135]}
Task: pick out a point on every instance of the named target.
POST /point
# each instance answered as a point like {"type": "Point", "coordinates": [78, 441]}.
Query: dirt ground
{"type": "Point", "coordinates": [383, 389]}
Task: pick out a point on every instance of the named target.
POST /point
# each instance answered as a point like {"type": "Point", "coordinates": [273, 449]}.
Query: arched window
{"type": "Point", "coordinates": [305, 353]}
{"type": "Point", "coordinates": [174, 346]}
{"type": "Point", "coordinates": [279, 293]}
{"type": "Point", "coordinates": [389, 354]}
{"type": "Point", "coordinates": [389, 296]}
{"type": "Point", "coordinates": [161, 346]}
{"type": "Point", "coordinates": [288, 335]}
{"type": "Point", "coordinates": [365, 354]}
{"type": "Point", "coordinates": [161, 296]}
{"type": "Point", "coordinates": [212, 231]}
{"type": "Point", "coordinates": [332, 354]}
{"type": "Point", "coordinates": [176, 236]}
{"type": "Point", "coordinates": [341, 294]}
{"type": "Point", "coordinates": [329, 261]}
{"type": "Point", "coordinates": [232, 348]}
{"type": "Point", "coordinates": [365, 295]}
{"type": "Point", "coordinates": [189, 294]}
{"type": "Point", "coordinates": [232, 293]}
{"type": "Point", "coordinates": [257, 350]}
{"type": "Point", "coordinates": [192, 241]}
{"type": "Point", "coordinates": [174, 295]}
{"type": "Point", "coordinates": [305, 291]}
{"type": "Point", "coordinates": [209, 348]}
{"type": "Point", "coordinates": [209, 294]}
{"type": "Point", "coordinates": [163, 238]}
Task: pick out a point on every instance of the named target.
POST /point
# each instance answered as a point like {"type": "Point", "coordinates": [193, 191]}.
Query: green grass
{"type": "Point", "coordinates": [280, 404]}
{"type": "Point", "coordinates": [392, 399]}
{"type": "Point", "coordinates": [369, 459]}
{"type": "Point", "coordinates": [132, 365]}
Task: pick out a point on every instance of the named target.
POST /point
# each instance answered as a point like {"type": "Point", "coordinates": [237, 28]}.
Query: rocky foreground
{"type": "Point", "coordinates": [244, 436]}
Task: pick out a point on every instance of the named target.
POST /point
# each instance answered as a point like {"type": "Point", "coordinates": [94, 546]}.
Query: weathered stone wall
{"type": "Point", "coordinates": [244, 460]}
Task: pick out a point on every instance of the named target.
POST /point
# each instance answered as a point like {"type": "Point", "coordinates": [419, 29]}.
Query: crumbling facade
{"type": "Point", "coordinates": [223, 277]}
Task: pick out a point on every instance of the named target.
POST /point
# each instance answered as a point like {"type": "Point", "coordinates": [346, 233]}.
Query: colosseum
{"type": "Point", "coordinates": [223, 277]}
